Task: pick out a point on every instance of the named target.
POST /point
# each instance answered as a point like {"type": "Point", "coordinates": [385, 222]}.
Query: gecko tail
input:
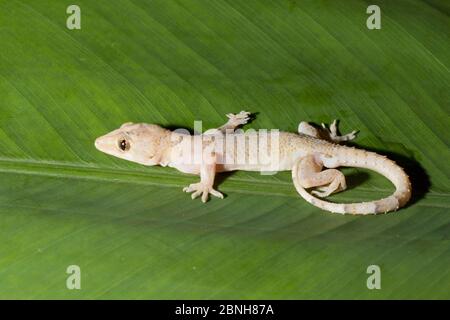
{"type": "Point", "coordinates": [351, 157]}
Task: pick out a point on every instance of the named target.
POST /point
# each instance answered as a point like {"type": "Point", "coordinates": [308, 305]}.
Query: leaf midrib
{"type": "Point", "coordinates": [170, 178]}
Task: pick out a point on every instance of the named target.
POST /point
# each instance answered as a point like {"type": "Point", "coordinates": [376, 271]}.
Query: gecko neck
{"type": "Point", "coordinates": [165, 159]}
{"type": "Point", "coordinates": [166, 150]}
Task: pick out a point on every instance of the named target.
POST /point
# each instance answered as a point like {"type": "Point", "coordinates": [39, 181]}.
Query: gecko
{"type": "Point", "coordinates": [313, 155]}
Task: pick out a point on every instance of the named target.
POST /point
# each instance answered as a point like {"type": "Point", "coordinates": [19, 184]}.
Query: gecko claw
{"type": "Point", "coordinates": [333, 133]}
{"type": "Point", "coordinates": [238, 119]}
{"type": "Point", "coordinates": [320, 194]}
{"type": "Point", "coordinates": [198, 189]}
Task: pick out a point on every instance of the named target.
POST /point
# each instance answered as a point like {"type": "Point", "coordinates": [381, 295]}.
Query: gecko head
{"type": "Point", "coordinates": [141, 143]}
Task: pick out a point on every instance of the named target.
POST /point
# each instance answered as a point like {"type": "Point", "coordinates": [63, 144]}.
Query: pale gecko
{"type": "Point", "coordinates": [312, 155]}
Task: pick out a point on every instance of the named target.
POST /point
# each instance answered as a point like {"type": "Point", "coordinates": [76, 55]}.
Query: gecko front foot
{"type": "Point", "coordinates": [332, 132]}
{"type": "Point", "coordinates": [238, 119]}
{"type": "Point", "coordinates": [199, 188]}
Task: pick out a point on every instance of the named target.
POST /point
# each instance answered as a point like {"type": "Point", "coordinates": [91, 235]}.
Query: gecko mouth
{"type": "Point", "coordinates": [100, 145]}
{"type": "Point", "coordinates": [97, 143]}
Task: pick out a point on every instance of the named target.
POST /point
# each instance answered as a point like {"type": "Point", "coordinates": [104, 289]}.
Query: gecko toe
{"type": "Point", "coordinates": [216, 193]}
{"type": "Point", "coordinates": [196, 194]}
{"type": "Point", "coordinates": [198, 189]}
{"type": "Point", "coordinates": [320, 194]}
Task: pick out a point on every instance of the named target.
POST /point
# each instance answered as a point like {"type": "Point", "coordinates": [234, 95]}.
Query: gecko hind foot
{"type": "Point", "coordinates": [325, 192]}
{"type": "Point", "coordinates": [333, 133]}
{"type": "Point", "coordinates": [199, 188]}
{"type": "Point", "coordinates": [337, 185]}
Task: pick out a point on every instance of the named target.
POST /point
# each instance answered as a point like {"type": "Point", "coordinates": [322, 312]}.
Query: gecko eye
{"type": "Point", "coordinates": [124, 145]}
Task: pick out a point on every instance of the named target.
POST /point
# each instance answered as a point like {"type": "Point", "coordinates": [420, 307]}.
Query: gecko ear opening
{"type": "Point", "coordinates": [126, 124]}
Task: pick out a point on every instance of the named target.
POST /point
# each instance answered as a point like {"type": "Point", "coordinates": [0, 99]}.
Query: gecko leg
{"type": "Point", "coordinates": [234, 121]}
{"type": "Point", "coordinates": [333, 135]}
{"type": "Point", "coordinates": [325, 133]}
{"type": "Point", "coordinates": [205, 186]}
{"type": "Point", "coordinates": [311, 175]}
{"type": "Point", "coordinates": [309, 130]}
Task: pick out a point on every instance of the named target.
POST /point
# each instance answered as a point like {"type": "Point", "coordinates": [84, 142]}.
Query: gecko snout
{"type": "Point", "coordinates": [99, 144]}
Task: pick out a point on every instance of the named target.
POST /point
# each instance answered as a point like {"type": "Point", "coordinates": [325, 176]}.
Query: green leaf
{"type": "Point", "coordinates": [131, 229]}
